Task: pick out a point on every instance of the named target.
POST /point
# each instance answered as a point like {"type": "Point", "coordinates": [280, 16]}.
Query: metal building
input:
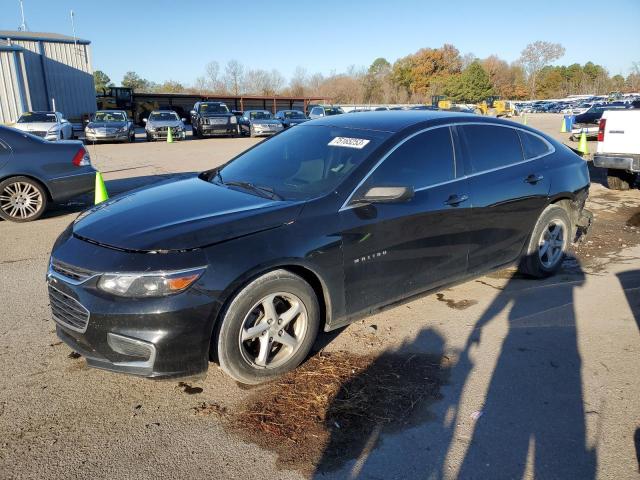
{"type": "Point", "coordinates": [45, 71]}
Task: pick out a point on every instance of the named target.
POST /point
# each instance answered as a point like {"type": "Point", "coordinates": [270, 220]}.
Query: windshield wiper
{"type": "Point", "coordinates": [260, 189]}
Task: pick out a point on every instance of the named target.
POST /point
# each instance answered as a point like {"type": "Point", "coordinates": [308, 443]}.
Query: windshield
{"type": "Point", "coordinates": [332, 111]}
{"type": "Point", "coordinates": [303, 162]}
{"type": "Point", "coordinates": [163, 116]}
{"type": "Point", "coordinates": [30, 117]}
{"type": "Point", "coordinates": [109, 117]}
{"type": "Point", "coordinates": [293, 114]}
{"type": "Point", "coordinates": [259, 115]}
{"type": "Point", "coordinates": [213, 108]}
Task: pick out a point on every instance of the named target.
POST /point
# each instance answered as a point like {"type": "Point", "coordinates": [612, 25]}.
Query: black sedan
{"type": "Point", "coordinates": [305, 231]}
{"type": "Point", "coordinates": [594, 113]}
{"type": "Point", "coordinates": [289, 118]}
{"type": "Point", "coordinates": [35, 172]}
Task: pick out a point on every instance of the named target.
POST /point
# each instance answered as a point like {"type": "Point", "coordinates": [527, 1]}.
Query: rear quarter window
{"type": "Point", "coordinates": [533, 146]}
{"type": "Point", "coordinates": [491, 146]}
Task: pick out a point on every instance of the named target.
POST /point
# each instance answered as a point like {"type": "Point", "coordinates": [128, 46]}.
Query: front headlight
{"type": "Point", "coordinates": [150, 128]}
{"type": "Point", "coordinates": [89, 130]}
{"type": "Point", "coordinates": [178, 128]}
{"type": "Point", "coordinates": [233, 120]}
{"type": "Point", "coordinates": [122, 129]}
{"type": "Point", "coordinates": [149, 284]}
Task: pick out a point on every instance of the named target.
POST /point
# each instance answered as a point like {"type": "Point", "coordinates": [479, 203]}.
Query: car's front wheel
{"type": "Point", "coordinates": [619, 179]}
{"type": "Point", "coordinates": [548, 243]}
{"type": "Point", "coordinates": [268, 328]}
{"type": "Point", "coordinates": [22, 199]}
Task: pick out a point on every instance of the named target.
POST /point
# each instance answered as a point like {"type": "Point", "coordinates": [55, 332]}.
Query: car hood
{"type": "Point", "coordinates": [106, 124]}
{"type": "Point", "coordinates": [296, 120]}
{"type": "Point", "coordinates": [165, 123]}
{"type": "Point", "coordinates": [35, 126]}
{"type": "Point", "coordinates": [266, 121]}
{"type": "Point", "coordinates": [181, 215]}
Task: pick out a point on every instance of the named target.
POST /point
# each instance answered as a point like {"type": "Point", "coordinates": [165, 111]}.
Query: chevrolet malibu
{"type": "Point", "coordinates": [309, 230]}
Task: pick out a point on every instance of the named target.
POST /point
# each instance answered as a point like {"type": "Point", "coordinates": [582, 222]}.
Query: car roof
{"type": "Point", "coordinates": [392, 120]}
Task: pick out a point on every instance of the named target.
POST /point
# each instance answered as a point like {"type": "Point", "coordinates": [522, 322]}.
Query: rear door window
{"type": "Point", "coordinates": [491, 146]}
{"type": "Point", "coordinates": [422, 161]}
{"type": "Point", "coordinates": [532, 146]}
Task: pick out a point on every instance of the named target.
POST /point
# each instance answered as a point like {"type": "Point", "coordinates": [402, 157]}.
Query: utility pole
{"type": "Point", "coordinates": [23, 25]}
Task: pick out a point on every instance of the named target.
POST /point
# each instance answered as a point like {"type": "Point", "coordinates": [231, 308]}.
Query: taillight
{"type": "Point", "coordinates": [81, 158]}
{"type": "Point", "coordinates": [601, 125]}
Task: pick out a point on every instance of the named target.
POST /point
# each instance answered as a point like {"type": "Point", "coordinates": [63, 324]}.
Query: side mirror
{"type": "Point", "coordinates": [144, 120]}
{"type": "Point", "coordinates": [86, 121]}
{"type": "Point", "coordinates": [183, 119]}
{"type": "Point", "coordinates": [386, 195]}
{"type": "Point", "coordinates": [193, 112]}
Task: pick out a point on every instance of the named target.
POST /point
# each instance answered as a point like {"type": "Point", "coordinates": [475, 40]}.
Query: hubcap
{"type": "Point", "coordinates": [273, 330]}
{"type": "Point", "coordinates": [551, 244]}
{"type": "Point", "coordinates": [20, 200]}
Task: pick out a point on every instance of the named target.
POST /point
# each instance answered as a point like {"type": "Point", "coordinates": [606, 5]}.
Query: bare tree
{"type": "Point", "coordinates": [298, 82]}
{"type": "Point", "coordinates": [200, 84]}
{"type": "Point", "coordinates": [213, 76]}
{"type": "Point", "coordinates": [536, 56]}
{"type": "Point", "coordinates": [233, 76]}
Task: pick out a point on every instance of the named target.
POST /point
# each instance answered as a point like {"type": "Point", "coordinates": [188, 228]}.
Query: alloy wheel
{"type": "Point", "coordinates": [551, 244]}
{"type": "Point", "coordinates": [273, 330]}
{"type": "Point", "coordinates": [21, 200]}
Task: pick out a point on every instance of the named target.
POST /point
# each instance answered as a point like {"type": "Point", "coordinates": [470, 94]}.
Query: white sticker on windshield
{"type": "Point", "coordinates": [349, 142]}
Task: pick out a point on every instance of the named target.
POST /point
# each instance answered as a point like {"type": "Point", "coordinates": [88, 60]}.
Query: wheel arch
{"type": "Point", "coordinates": [30, 177]}
{"type": "Point", "coordinates": [298, 267]}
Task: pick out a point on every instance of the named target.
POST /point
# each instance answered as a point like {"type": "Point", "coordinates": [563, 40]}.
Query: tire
{"type": "Point", "coordinates": [540, 262]}
{"type": "Point", "coordinates": [149, 139]}
{"type": "Point", "coordinates": [23, 191]}
{"type": "Point", "coordinates": [618, 179]}
{"type": "Point", "coordinates": [261, 356]}
{"type": "Point", "coordinates": [132, 137]}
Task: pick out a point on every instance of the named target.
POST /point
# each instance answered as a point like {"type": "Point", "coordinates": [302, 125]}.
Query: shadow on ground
{"type": "Point", "coordinates": [532, 417]}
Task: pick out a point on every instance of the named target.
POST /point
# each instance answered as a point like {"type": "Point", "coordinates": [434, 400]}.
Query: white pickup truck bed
{"type": "Point", "coordinates": [619, 147]}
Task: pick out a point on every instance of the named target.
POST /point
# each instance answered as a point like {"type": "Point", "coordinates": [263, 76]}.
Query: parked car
{"type": "Point", "coordinates": [320, 111]}
{"type": "Point", "coordinates": [110, 125]}
{"type": "Point", "coordinates": [260, 123]}
{"type": "Point", "coordinates": [307, 231]}
{"type": "Point", "coordinates": [289, 118]}
{"type": "Point", "coordinates": [619, 147]}
{"type": "Point", "coordinates": [35, 172]}
{"type": "Point", "coordinates": [160, 121]}
{"type": "Point", "coordinates": [48, 125]}
{"type": "Point", "coordinates": [213, 118]}
{"type": "Point", "coordinates": [594, 113]}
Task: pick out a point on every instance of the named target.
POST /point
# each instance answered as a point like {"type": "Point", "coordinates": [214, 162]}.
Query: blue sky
{"type": "Point", "coordinates": [164, 39]}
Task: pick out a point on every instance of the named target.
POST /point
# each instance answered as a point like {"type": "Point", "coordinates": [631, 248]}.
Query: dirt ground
{"type": "Point", "coordinates": [499, 377]}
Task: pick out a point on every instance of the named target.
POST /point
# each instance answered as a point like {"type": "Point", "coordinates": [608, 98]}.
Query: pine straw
{"type": "Point", "coordinates": [324, 411]}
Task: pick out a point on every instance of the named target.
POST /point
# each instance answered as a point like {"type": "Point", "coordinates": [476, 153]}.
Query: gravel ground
{"type": "Point", "coordinates": [536, 378]}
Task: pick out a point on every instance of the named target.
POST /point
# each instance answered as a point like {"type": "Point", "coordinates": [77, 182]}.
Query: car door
{"type": "Point", "coordinates": [394, 249]}
{"type": "Point", "coordinates": [508, 191]}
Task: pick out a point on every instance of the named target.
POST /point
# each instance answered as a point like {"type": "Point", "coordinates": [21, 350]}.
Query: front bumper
{"type": "Point", "coordinates": [115, 137]}
{"type": "Point", "coordinates": [219, 129]}
{"type": "Point", "coordinates": [150, 337]}
{"type": "Point", "coordinates": [163, 135]}
{"type": "Point", "coordinates": [628, 162]}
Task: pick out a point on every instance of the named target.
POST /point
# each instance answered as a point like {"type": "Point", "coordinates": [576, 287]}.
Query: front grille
{"type": "Point", "coordinates": [38, 134]}
{"type": "Point", "coordinates": [67, 311]}
{"type": "Point", "coordinates": [161, 129]}
{"type": "Point", "coordinates": [74, 273]}
{"type": "Point", "coordinates": [217, 121]}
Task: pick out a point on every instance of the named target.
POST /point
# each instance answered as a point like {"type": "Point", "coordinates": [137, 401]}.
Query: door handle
{"type": "Point", "coordinates": [533, 178]}
{"type": "Point", "coordinates": [455, 200]}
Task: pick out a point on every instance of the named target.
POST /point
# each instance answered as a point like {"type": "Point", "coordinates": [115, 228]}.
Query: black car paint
{"type": "Point", "coordinates": [199, 121]}
{"type": "Point", "coordinates": [594, 113]}
{"type": "Point", "coordinates": [357, 257]}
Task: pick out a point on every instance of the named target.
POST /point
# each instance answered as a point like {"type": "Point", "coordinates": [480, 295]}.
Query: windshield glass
{"type": "Point", "coordinates": [30, 117]}
{"type": "Point", "coordinates": [213, 108]}
{"type": "Point", "coordinates": [294, 114]}
{"type": "Point", "coordinates": [260, 115]}
{"type": "Point", "coordinates": [333, 111]}
{"type": "Point", "coordinates": [303, 162]}
{"type": "Point", "coordinates": [162, 116]}
{"type": "Point", "coordinates": [109, 117]}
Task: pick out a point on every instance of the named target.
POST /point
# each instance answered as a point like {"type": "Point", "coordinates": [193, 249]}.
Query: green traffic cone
{"type": "Point", "coordinates": [582, 144]}
{"type": "Point", "coordinates": [563, 128]}
{"type": "Point", "coordinates": [169, 136]}
{"type": "Point", "coordinates": [101, 190]}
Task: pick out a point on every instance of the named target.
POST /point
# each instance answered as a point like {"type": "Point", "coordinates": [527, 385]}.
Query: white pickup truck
{"type": "Point", "coordinates": [619, 147]}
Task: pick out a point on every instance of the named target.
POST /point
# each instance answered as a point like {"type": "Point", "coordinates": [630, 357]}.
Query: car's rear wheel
{"type": "Point", "coordinates": [268, 328]}
{"type": "Point", "coordinates": [22, 199]}
{"type": "Point", "coordinates": [548, 243]}
{"type": "Point", "coordinates": [619, 179]}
